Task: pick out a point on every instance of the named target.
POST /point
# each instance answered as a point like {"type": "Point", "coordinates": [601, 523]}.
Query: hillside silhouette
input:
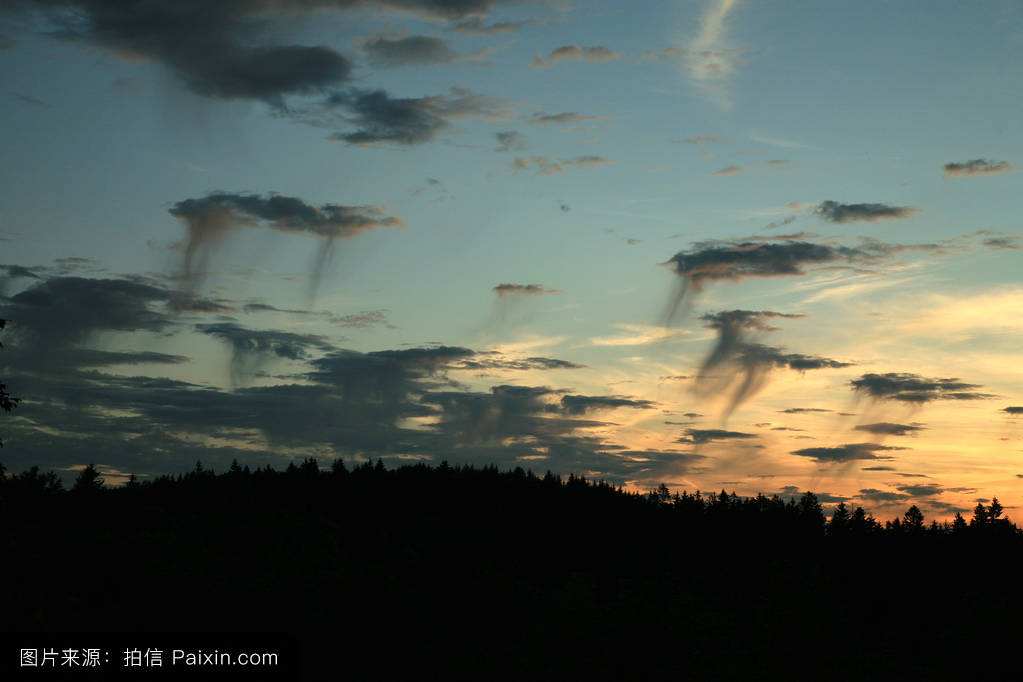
{"type": "Point", "coordinates": [449, 572]}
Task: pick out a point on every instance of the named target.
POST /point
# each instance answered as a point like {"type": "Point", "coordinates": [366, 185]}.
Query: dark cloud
{"type": "Point", "coordinates": [211, 218]}
{"type": "Point", "coordinates": [65, 310]}
{"type": "Point", "coordinates": [791, 237]}
{"type": "Point", "coordinates": [10, 273]}
{"type": "Point", "coordinates": [890, 429]}
{"type": "Point", "coordinates": [408, 51]}
{"type": "Point", "coordinates": [728, 170]}
{"type": "Point", "coordinates": [880, 467]}
{"type": "Point", "coordinates": [363, 320]}
{"type": "Point", "coordinates": [734, 261]}
{"type": "Point", "coordinates": [834, 212]}
{"type": "Point", "coordinates": [597, 54]}
{"type": "Point", "coordinates": [977, 167]}
{"type": "Point", "coordinates": [360, 320]}
{"type": "Point", "coordinates": [267, 308]}
{"type": "Point", "coordinates": [739, 368]}
{"type": "Point", "coordinates": [704, 436]}
{"type": "Point", "coordinates": [508, 289]}
{"type": "Point", "coordinates": [1004, 243]}
{"type": "Point", "coordinates": [509, 140]}
{"type": "Point", "coordinates": [57, 324]}
{"type": "Point", "coordinates": [787, 220]}
{"type": "Point", "coordinates": [488, 361]}
{"type": "Point", "coordinates": [921, 490]}
{"type": "Point", "coordinates": [213, 48]}
{"type": "Point", "coordinates": [1013, 409]}
{"type": "Point", "coordinates": [218, 49]}
{"type": "Point", "coordinates": [913, 388]}
{"type": "Point", "coordinates": [379, 118]}
{"type": "Point", "coordinates": [251, 349]}
{"type": "Point", "coordinates": [881, 496]}
{"type": "Point", "coordinates": [582, 404]}
{"type": "Point", "coordinates": [803, 410]}
{"type": "Point", "coordinates": [476, 26]}
{"type": "Point", "coordinates": [845, 453]}
{"type": "Point", "coordinates": [33, 101]}
{"type": "Point", "coordinates": [541, 118]}
{"type": "Point", "coordinates": [547, 166]}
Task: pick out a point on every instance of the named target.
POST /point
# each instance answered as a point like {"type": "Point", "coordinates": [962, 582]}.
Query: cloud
{"type": "Point", "coordinates": [881, 496]}
{"type": "Point", "coordinates": [728, 170]}
{"type": "Point", "coordinates": [33, 101]}
{"type": "Point", "coordinates": [213, 49]}
{"type": "Point", "coordinates": [845, 453]}
{"type": "Point", "coordinates": [508, 289]}
{"type": "Point", "coordinates": [1004, 243]}
{"type": "Point", "coordinates": [488, 361]}
{"type": "Point", "coordinates": [509, 140]}
{"type": "Point", "coordinates": [913, 388]}
{"type": "Point", "coordinates": [704, 436]}
{"type": "Point", "coordinates": [741, 368]}
{"type": "Point", "coordinates": [546, 166]}
{"type": "Point", "coordinates": [709, 60]}
{"type": "Point", "coordinates": [411, 50]}
{"type": "Point", "coordinates": [379, 118]}
{"type": "Point", "coordinates": [597, 54]}
{"type": "Point", "coordinates": [803, 410]}
{"type": "Point", "coordinates": [583, 404]}
{"type": "Point", "coordinates": [734, 261]}
{"type": "Point", "coordinates": [834, 212]}
{"type": "Point", "coordinates": [921, 490]}
{"type": "Point", "coordinates": [1013, 410]}
{"type": "Point", "coordinates": [251, 349]}
{"type": "Point", "coordinates": [57, 324]}
{"type": "Point", "coordinates": [362, 320]}
{"type": "Point", "coordinates": [890, 429]}
{"type": "Point", "coordinates": [541, 118]}
{"type": "Point", "coordinates": [211, 218]}
{"type": "Point", "coordinates": [977, 167]}
{"type": "Point", "coordinates": [10, 273]}
{"type": "Point", "coordinates": [637, 335]}
{"type": "Point", "coordinates": [476, 26]}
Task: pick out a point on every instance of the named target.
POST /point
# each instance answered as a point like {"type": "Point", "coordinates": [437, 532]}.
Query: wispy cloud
{"type": "Point", "coordinates": [637, 335]}
{"type": "Point", "coordinates": [709, 59]}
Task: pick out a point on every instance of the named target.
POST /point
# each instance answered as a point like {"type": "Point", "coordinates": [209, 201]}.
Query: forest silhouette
{"type": "Point", "coordinates": [441, 572]}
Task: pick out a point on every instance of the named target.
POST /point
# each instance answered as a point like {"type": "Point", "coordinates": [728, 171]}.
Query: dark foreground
{"type": "Point", "coordinates": [444, 573]}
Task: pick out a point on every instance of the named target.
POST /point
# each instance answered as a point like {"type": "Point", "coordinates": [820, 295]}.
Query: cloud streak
{"type": "Point", "coordinates": [709, 60]}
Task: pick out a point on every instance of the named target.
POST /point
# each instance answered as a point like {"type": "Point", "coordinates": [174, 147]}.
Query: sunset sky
{"type": "Point", "coordinates": [757, 245]}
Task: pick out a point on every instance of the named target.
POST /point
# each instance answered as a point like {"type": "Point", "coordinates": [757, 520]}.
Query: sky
{"type": "Point", "coordinates": [761, 246]}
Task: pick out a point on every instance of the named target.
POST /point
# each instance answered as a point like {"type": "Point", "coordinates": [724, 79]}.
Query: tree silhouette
{"type": "Point", "coordinates": [913, 520]}
{"type": "Point", "coordinates": [7, 401]}
{"type": "Point", "coordinates": [89, 480]}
